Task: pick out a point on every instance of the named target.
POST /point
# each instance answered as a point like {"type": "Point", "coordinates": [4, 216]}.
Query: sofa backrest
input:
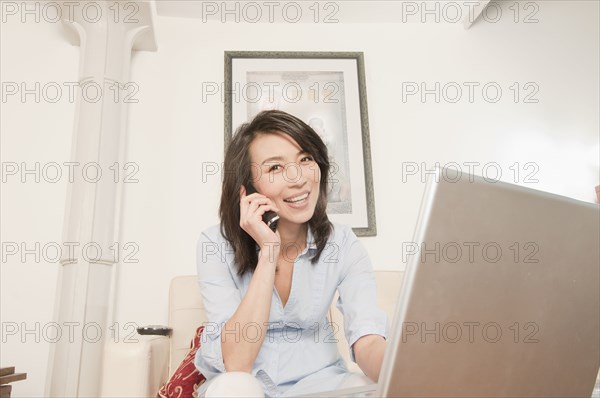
{"type": "Point", "coordinates": [186, 313]}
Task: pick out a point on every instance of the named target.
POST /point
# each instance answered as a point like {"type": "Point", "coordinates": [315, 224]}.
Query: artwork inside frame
{"type": "Point", "coordinates": [327, 91]}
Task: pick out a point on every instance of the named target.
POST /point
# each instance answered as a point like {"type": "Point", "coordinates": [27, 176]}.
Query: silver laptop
{"type": "Point", "coordinates": [501, 296]}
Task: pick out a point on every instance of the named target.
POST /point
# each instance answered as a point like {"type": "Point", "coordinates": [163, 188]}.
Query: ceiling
{"type": "Point", "coordinates": [309, 12]}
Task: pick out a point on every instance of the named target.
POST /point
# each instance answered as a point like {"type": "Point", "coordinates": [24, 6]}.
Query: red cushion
{"type": "Point", "coordinates": [186, 379]}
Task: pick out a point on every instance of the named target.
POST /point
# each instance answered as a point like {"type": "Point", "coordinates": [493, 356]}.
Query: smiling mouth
{"type": "Point", "coordinates": [297, 199]}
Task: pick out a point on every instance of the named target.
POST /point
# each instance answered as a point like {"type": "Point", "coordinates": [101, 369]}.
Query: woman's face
{"type": "Point", "coordinates": [286, 175]}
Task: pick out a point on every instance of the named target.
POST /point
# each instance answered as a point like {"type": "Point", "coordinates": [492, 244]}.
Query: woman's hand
{"type": "Point", "coordinates": [252, 208]}
{"type": "Point", "coordinates": [255, 307]}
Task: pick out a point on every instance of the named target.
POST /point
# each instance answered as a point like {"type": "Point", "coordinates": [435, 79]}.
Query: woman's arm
{"type": "Point", "coordinates": [368, 351]}
{"type": "Point", "coordinates": [239, 352]}
{"type": "Point", "coordinates": [365, 324]}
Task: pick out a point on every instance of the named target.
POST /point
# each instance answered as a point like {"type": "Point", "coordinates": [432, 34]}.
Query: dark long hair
{"type": "Point", "coordinates": [237, 172]}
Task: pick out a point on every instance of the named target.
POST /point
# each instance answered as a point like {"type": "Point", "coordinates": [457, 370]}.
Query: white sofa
{"type": "Point", "coordinates": [139, 369]}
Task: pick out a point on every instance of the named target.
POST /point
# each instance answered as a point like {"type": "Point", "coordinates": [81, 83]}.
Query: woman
{"type": "Point", "coordinates": [267, 293]}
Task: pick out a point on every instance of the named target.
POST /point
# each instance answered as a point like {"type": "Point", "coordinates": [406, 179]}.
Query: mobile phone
{"type": "Point", "coordinates": [270, 217]}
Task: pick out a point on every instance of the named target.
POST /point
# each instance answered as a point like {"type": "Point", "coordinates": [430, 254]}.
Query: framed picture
{"type": "Point", "coordinates": [327, 91]}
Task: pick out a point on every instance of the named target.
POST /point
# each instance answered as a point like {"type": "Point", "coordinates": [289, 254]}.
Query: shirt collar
{"type": "Point", "coordinates": [310, 242]}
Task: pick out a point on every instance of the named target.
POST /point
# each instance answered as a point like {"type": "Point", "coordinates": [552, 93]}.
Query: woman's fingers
{"type": "Point", "coordinates": [256, 204]}
{"type": "Point", "coordinates": [252, 209]}
{"type": "Point", "coordinates": [265, 208]}
{"type": "Point", "coordinates": [256, 212]}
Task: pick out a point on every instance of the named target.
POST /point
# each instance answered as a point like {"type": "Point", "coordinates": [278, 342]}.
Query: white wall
{"type": "Point", "coordinates": [32, 212]}
{"type": "Point", "coordinates": [172, 132]}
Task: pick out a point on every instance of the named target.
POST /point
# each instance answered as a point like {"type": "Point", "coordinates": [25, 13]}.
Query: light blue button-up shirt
{"type": "Point", "coordinates": [300, 348]}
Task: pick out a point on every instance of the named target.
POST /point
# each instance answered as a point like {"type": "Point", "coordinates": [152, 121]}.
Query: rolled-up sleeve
{"type": "Point", "coordinates": [358, 294]}
{"type": "Point", "coordinates": [221, 298]}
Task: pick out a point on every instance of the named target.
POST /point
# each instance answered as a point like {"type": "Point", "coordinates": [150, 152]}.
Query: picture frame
{"type": "Point", "coordinates": [327, 90]}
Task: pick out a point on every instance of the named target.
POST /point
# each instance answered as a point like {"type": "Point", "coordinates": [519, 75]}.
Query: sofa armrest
{"type": "Point", "coordinates": [135, 369]}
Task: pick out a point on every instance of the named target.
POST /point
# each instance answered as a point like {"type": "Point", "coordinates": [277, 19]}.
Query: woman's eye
{"type": "Point", "coordinates": [307, 158]}
{"type": "Point", "coordinates": [274, 167]}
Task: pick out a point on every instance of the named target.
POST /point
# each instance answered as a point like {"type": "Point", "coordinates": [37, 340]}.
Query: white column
{"type": "Point", "coordinates": [107, 33]}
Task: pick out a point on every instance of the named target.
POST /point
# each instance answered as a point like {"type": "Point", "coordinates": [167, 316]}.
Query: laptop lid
{"type": "Point", "coordinates": [500, 297]}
